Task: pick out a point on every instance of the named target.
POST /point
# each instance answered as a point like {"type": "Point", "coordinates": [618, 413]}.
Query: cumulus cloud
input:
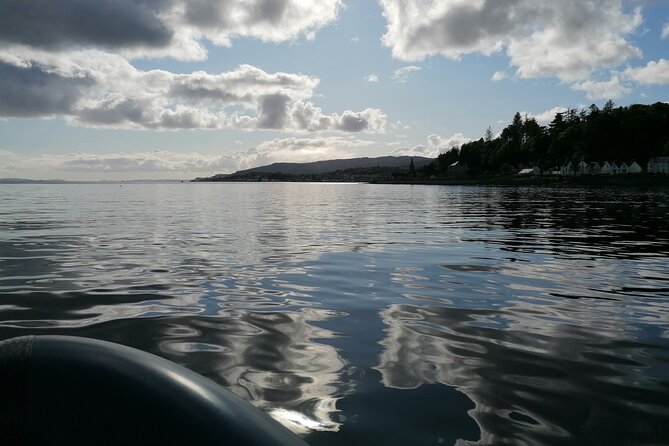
{"type": "Point", "coordinates": [567, 39]}
{"type": "Point", "coordinates": [399, 126]}
{"type": "Point", "coordinates": [665, 30]}
{"type": "Point", "coordinates": [372, 78]}
{"type": "Point", "coordinates": [98, 89]}
{"type": "Point", "coordinates": [172, 28]}
{"type": "Point", "coordinates": [167, 164]}
{"type": "Point", "coordinates": [499, 75]}
{"type": "Point", "coordinates": [110, 23]}
{"type": "Point", "coordinates": [610, 89]}
{"type": "Point", "coordinates": [434, 146]}
{"type": "Point", "coordinates": [547, 116]}
{"type": "Point", "coordinates": [305, 149]}
{"type": "Point", "coordinates": [654, 73]}
{"type": "Point", "coordinates": [29, 91]}
{"type": "Point", "coordinates": [402, 74]}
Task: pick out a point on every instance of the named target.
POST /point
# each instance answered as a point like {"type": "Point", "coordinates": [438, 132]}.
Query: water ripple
{"type": "Point", "coordinates": [368, 314]}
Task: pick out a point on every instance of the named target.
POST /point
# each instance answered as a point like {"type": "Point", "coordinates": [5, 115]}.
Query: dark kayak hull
{"type": "Point", "coordinates": [70, 390]}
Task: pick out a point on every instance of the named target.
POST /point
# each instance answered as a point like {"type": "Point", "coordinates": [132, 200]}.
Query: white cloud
{"type": "Point", "coordinates": [147, 28]}
{"type": "Point", "coordinates": [355, 39]}
{"type": "Point", "coordinates": [167, 164]}
{"type": "Point", "coordinates": [306, 149]}
{"type": "Point", "coordinates": [434, 146]}
{"type": "Point", "coordinates": [372, 78]}
{"type": "Point", "coordinates": [442, 144]}
{"type": "Point", "coordinates": [402, 74]}
{"type": "Point", "coordinates": [654, 73]}
{"type": "Point", "coordinates": [665, 30]}
{"type": "Point", "coordinates": [399, 125]}
{"type": "Point", "coordinates": [611, 89]}
{"type": "Point", "coordinates": [567, 39]}
{"type": "Point", "coordinates": [97, 89]}
{"type": "Point", "coordinates": [53, 65]}
{"type": "Point", "coordinates": [499, 75]}
{"type": "Point", "coordinates": [547, 116]}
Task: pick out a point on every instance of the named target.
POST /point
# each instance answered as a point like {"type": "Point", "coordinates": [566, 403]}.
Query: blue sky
{"type": "Point", "coordinates": [174, 89]}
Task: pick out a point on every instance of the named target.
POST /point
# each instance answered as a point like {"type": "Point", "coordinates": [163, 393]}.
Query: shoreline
{"type": "Point", "coordinates": [636, 180]}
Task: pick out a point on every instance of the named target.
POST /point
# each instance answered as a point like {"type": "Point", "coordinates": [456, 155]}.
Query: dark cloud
{"type": "Point", "coordinates": [36, 91]}
{"type": "Point", "coordinates": [110, 92]}
{"type": "Point", "coordinates": [197, 93]}
{"type": "Point", "coordinates": [207, 13]}
{"type": "Point", "coordinates": [271, 11]}
{"type": "Point", "coordinates": [352, 122]}
{"type": "Point", "coordinates": [114, 113]}
{"type": "Point", "coordinates": [107, 23]}
{"type": "Point", "coordinates": [216, 13]}
{"type": "Point", "coordinates": [466, 25]}
{"type": "Point", "coordinates": [273, 111]}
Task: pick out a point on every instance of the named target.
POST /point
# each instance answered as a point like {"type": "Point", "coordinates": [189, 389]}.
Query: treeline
{"type": "Point", "coordinates": [356, 174]}
{"type": "Point", "coordinates": [622, 134]}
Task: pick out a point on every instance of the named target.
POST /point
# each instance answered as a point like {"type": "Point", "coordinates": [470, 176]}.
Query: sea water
{"type": "Point", "coordinates": [365, 314]}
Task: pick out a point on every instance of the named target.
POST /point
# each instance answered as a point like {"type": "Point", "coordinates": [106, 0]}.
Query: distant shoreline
{"type": "Point", "coordinates": [636, 180]}
{"type": "Point", "coordinates": [56, 181]}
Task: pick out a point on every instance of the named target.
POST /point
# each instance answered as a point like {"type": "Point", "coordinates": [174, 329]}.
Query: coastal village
{"type": "Point", "coordinates": [655, 165]}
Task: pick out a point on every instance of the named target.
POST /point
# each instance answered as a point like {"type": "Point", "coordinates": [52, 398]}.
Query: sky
{"type": "Point", "coordinates": [174, 89]}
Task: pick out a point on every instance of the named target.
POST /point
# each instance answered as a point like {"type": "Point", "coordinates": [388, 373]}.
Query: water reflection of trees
{"type": "Point", "coordinates": [533, 381]}
{"type": "Point", "coordinates": [588, 222]}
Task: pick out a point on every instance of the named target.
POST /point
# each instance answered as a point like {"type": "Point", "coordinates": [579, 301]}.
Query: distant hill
{"type": "Point", "coordinates": [324, 167]}
{"type": "Point", "coordinates": [29, 181]}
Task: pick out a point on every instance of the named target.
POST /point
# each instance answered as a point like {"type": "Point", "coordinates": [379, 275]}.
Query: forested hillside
{"type": "Point", "coordinates": [633, 133]}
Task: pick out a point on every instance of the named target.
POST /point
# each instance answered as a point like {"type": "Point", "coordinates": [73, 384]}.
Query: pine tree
{"type": "Point", "coordinates": [488, 135]}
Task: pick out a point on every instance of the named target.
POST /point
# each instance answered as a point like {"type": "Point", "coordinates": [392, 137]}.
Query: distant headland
{"type": "Point", "coordinates": [338, 170]}
{"type": "Point", "coordinates": [592, 146]}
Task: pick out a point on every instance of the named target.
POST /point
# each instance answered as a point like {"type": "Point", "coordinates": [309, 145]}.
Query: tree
{"type": "Point", "coordinates": [412, 169]}
{"type": "Point", "coordinates": [636, 132]}
{"type": "Point", "coordinates": [488, 135]}
{"type": "Point", "coordinates": [608, 107]}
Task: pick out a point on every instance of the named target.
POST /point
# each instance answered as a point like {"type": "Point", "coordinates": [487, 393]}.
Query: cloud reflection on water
{"type": "Point", "coordinates": [533, 376]}
{"type": "Point", "coordinates": [545, 308]}
{"type": "Point", "coordinates": [268, 358]}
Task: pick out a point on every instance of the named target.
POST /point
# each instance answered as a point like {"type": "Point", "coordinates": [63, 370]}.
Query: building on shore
{"type": "Point", "coordinates": [594, 169]}
{"type": "Point", "coordinates": [606, 169]}
{"type": "Point", "coordinates": [567, 169]}
{"type": "Point", "coordinates": [659, 164]}
{"type": "Point", "coordinates": [531, 171]}
{"type": "Point", "coordinates": [458, 169]}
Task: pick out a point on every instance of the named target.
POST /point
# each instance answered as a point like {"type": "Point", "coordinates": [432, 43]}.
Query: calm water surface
{"type": "Point", "coordinates": [368, 314]}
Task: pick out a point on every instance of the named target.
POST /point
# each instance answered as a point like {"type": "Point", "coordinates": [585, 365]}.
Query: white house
{"type": "Point", "coordinates": [567, 169]}
{"type": "Point", "coordinates": [659, 164]}
{"type": "Point", "coordinates": [634, 168]}
{"type": "Point", "coordinates": [457, 169]}
{"type": "Point", "coordinates": [594, 169]}
{"type": "Point", "coordinates": [532, 171]}
{"type": "Point", "coordinates": [606, 169]}
{"type": "Point", "coordinates": [582, 168]}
